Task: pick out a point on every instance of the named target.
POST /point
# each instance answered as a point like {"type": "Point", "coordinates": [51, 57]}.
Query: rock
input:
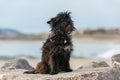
{"type": "Point", "coordinates": [17, 64]}
{"type": "Point", "coordinates": [116, 61]}
{"type": "Point", "coordinates": [112, 74]}
{"type": "Point", "coordinates": [95, 65]}
{"type": "Point", "coordinates": [104, 73]}
{"type": "Point", "coordinates": [100, 64]}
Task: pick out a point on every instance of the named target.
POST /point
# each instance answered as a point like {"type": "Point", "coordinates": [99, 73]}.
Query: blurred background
{"type": "Point", "coordinates": [23, 27]}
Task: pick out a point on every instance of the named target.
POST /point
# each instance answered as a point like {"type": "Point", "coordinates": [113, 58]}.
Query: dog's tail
{"type": "Point", "coordinates": [30, 72]}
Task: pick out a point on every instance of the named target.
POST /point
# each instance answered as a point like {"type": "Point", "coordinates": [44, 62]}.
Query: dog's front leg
{"type": "Point", "coordinates": [68, 49]}
{"type": "Point", "coordinates": [66, 60]}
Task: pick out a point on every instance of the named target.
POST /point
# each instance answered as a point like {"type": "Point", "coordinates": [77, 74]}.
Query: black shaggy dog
{"type": "Point", "coordinates": [57, 49]}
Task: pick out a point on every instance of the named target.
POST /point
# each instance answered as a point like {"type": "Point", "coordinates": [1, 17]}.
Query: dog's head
{"type": "Point", "coordinates": [62, 23]}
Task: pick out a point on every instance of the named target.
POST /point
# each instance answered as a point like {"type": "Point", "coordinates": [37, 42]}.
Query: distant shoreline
{"type": "Point", "coordinates": [95, 40]}
{"type": "Point", "coordinates": [75, 37]}
{"type": "Point", "coordinates": [80, 39]}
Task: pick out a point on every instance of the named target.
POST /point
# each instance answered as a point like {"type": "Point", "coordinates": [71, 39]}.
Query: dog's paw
{"type": "Point", "coordinates": [53, 73]}
{"type": "Point", "coordinates": [68, 70]}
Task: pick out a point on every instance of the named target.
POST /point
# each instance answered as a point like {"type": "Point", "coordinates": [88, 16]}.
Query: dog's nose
{"type": "Point", "coordinates": [48, 22]}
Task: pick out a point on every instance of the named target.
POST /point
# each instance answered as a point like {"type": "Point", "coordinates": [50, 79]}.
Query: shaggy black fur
{"type": "Point", "coordinates": [57, 49]}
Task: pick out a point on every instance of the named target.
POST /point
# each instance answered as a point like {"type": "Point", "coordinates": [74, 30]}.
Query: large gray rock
{"type": "Point", "coordinates": [17, 64]}
{"type": "Point", "coordinates": [95, 65]}
{"type": "Point", "coordinates": [116, 61]}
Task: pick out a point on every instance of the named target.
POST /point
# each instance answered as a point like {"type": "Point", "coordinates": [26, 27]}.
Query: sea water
{"type": "Point", "coordinates": [81, 49]}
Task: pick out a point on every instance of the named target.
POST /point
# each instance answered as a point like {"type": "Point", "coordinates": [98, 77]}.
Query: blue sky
{"type": "Point", "coordinates": [30, 16]}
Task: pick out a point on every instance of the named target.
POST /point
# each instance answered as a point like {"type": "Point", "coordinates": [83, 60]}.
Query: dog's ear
{"type": "Point", "coordinates": [70, 28]}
